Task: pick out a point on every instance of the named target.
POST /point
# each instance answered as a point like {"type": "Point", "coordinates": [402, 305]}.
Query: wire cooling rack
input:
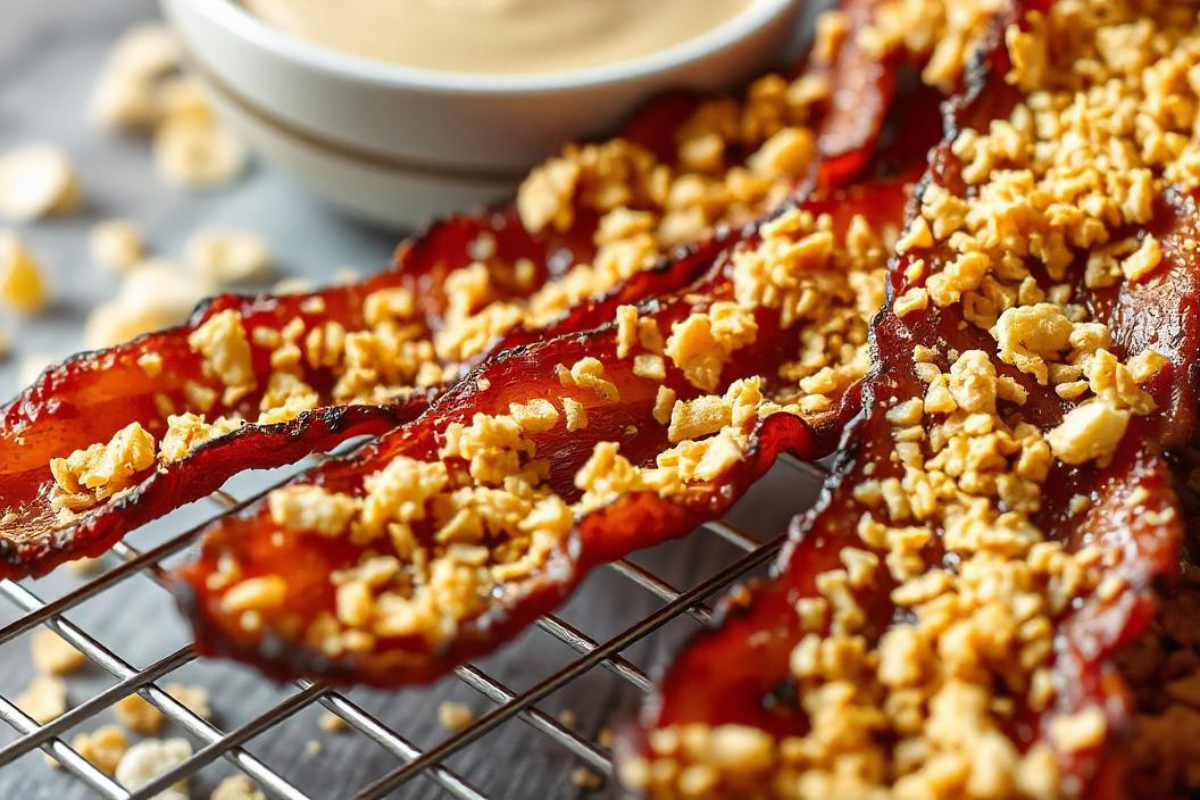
{"type": "Point", "coordinates": [750, 550]}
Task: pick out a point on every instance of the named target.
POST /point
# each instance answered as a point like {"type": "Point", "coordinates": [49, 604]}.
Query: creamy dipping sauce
{"type": "Point", "coordinates": [497, 35]}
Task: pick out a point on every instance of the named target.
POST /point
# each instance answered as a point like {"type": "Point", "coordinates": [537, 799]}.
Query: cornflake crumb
{"type": "Point", "coordinates": [151, 363]}
{"type": "Point", "coordinates": [103, 747]}
{"type": "Point", "coordinates": [86, 477]}
{"type": "Point", "coordinates": [1144, 260]}
{"type": "Point", "coordinates": [606, 738]}
{"type": "Point", "coordinates": [194, 698]}
{"type": "Point", "coordinates": [237, 787]}
{"type": "Point", "coordinates": [332, 723]}
{"type": "Point", "coordinates": [85, 565]}
{"type": "Point", "coordinates": [148, 759]}
{"type": "Point", "coordinates": [254, 594]}
{"type": "Point", "coordinates": [133, 92]}
{"type": "Point", "coordinates": [313, 747]}
{"type": "Point", "coordinates": [53, 655]}
{"type": "Point", "coordinates": [228, 256]}
{"type": "Point", "coordinates": [192, 153]}
{"type": "Point", "coordinates": [37, 180]}
{"type": "Point", "coordinates": [116, 244]}
{"type": "Point", "coordinates": [536, 416]}
{"type": "Point", "coordinates": [155, 293]}
{"type": "Point", "coordinates": [223, 342]}
{"type": "Point", "coordinates": [576, 414]}
{"type": "Point", "coordinates": [44, 699]}
{"type": "Point", "coordinates": [21, 284]}
{"type": "Point", "coordinates": [587, 780]}
{"type": "Point", "coordinates": [588, 373]}
{"type": "Point", "coordinates": [1089, 432]}
{"type": "Point", "coordinates": [138, 715]}
{"type": "Point", "coordinates": [664, 402]}
{"type": "Point", "coordinates": [455, 716]}
{"type": "Point", "coordinates": [311, 508]}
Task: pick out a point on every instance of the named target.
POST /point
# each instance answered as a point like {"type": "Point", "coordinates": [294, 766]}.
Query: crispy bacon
{"type": "Point", "coordinates": [306, 560]}
{"type": "Point", "coordinates": [739, 674]}
{"type": "Point", "coordinates": [92, 396]}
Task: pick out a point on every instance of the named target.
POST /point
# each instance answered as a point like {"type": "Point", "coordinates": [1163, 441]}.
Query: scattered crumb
{"type": "Point", "coordinates": [104, 747]}
{"type": "Point", "coordinates": [121, 104]}
{"type": "Point", "coordinates": [455, 716]}
{"type": "Point", "coordinates": [147, 50]}
{"type": "Point", "coordinates": [182, 97]}
{"type": "Point", "coordinates": [228, 256]}
{"type": "Point", "coordinates": [37, 180]}
{"type": "Point", "coordinates": [148, 759]}
{"type": "Point", "coordinates": [193, 153]}
{"type": "Point", "coordinates": [568, 718]}
{"type": "Point", "coordinates": [155, 294]}
{"type": "Point", "coordinates": [44, 699]}
{"type": "Point", "coordinates": [138, 715]}
{"type": "Point", "coordinates": [587, 780]}
{"type": "Point", "coordinates": [237, 787]}
{"type": "Point", "coordinates": [606, 737]}
{"type": "Point", "coordinates": [53, 655]}
{"type": "Point", "coordinates": [116, 244]}
{"type": "Point", "coordinates": [126, 96]}
{"type": "Point", "coordinates": [332, 722]}
{"type": "Point", "coordinates": [313, 747]}
{"type": "Point", "coordinates": [21, 284]}
{"type": "Point", "coordinates": [142, 89]}
{"type": "Point", "coordinates": [194, 698]}
{"type": "Point", "coordinates": [85, 565]}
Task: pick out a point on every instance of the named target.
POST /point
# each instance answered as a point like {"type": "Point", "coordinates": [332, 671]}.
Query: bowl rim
{"type": "Point", "coordinates": [236, 19]}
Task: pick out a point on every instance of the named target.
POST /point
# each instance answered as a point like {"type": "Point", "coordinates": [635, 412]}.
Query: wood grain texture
{"type": "Point", "coordinates": [50, 51]}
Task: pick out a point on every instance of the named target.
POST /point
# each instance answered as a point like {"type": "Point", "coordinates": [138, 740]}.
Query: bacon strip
{"type": "Point", "coordinates": [91, 397]}
{"type": "Point", "coordinates": [740, 673]}
{"type": "Point", "coordinates": [258, 546]}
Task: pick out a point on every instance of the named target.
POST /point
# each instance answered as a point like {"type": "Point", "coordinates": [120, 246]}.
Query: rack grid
{"type": "Point", "coordinates": [412, 761]}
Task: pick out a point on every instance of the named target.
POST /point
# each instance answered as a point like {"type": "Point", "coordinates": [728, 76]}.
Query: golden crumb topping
{"type": "Point", "coordinates": [925, 708]}
{"type": "Point", "coordinates": [86, 477]}
{"type": "Point", "coordinates": [185, 432]}
{"type": "Point", "coordinates": [222, 341]}
{"type": "Point", "coordinates": [702, 344]}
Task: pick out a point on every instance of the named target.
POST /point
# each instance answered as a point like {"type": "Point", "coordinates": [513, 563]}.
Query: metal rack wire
{"type": "Point", "coordinates": [216, 743]}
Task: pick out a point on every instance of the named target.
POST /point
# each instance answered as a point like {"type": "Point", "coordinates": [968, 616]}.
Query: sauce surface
{"type": "Point", "coordinates": [508, 36]}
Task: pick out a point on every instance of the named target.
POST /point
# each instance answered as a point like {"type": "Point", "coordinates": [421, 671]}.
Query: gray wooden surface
{"type": "Point", "coordinates": [50, 51]}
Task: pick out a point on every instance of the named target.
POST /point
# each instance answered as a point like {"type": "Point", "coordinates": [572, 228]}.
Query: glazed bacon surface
{"type": "Point", "coordinates": [124, 397]}
{"type": "Point", "coordinates": [967, 649]}
{"type": "Point", "coordinates": [307, 584]}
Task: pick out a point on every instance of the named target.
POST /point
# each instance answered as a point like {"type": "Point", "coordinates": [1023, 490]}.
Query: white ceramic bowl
{"type": "Point", "coordinates": [397, 144]}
